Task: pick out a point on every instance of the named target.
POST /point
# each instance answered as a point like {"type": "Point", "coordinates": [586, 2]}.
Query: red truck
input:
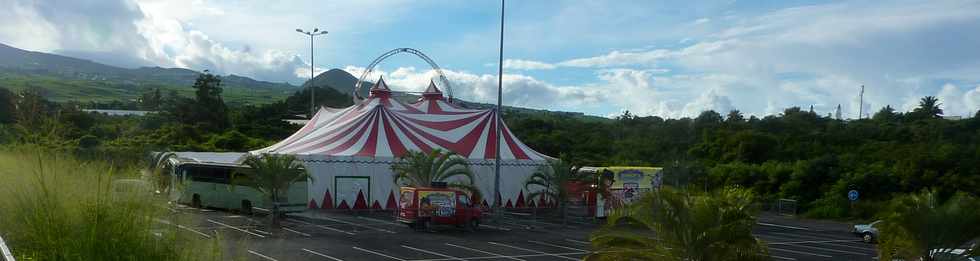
{"type": "Point", "coordinates": [425, 207]}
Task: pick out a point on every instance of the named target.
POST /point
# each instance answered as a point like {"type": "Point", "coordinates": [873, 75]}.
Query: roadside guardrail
{"type": "Point", "coordinates": [5, 251]}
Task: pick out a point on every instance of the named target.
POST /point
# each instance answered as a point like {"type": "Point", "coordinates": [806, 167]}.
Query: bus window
{"type": "Point", "coordinates": [208, 174]}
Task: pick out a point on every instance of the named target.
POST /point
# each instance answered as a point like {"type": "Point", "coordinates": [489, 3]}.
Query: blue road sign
{"type": "Point", "coordinates": [852, 195]}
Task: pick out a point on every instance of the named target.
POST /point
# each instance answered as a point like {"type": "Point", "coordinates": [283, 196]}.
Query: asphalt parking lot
{"type": "Point", "coordinates": [375, 236]}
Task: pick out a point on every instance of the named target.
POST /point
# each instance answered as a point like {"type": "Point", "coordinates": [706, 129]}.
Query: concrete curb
{"type": "Point", "coordinates": [5, 251]}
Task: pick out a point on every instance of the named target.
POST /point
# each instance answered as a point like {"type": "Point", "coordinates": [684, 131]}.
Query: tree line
{"type": "Point", "coordinates": [797, 154]}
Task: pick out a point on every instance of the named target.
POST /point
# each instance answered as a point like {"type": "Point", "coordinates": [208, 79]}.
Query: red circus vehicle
{"type": "Point", "coordinates": [425, 207]}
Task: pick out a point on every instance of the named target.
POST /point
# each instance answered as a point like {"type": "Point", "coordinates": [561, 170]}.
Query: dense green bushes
{"type": "Point", "coordinates": [796, 155]}
{"type": "Point", "coordinates": [56, 207]}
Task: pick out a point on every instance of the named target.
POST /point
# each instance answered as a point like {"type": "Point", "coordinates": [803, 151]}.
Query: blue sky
{"type": "Point", "coordinates": [664, 58]}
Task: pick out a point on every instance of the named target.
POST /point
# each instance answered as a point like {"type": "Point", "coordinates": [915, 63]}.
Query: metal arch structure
{"type": "Point", "coordinates": [370, 68]}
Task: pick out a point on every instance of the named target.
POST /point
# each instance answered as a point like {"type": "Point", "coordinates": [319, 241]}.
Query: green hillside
{"type": "Point", "coordinates": [61, 89]}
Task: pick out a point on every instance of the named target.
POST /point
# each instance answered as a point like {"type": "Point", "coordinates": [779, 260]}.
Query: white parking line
{"type": "Point", "coordinates": [818, 240]}
{"type": "Point", "coordinates": [558, 246]}
{"type": "Point", "coordinates": [551, 224]}
{"type": "Point", "coordinates": [531, 250]}
{"type": "Point", "coordinates": [261, 255]}
{"type": "Point", "coordinates": [485, 252]}
{"type": "Point", "coordinates": [799, 252]}
{"type": "Point", "coordinates": [387, 222]}
{"type": "Point", "coordinates": [578, 241]}
{"type": "Point", "coordinates": [833, 250]}
{"type": "Point", "coordinates": [183, 227]}
{"type": "Point", "coordinates": [235, 228]}
{"type": "Point", "coordinates": [297, 232]}
{"type": "Point", "coordinates": [263, 232]}
{"type": "Point", "coordinates": [495, 227]}
{"type": "Point", "coordinates": [432, 253]}
{"type": "Point", "coordinates": [322, 254]}
{"type": "Point", "coordinates": [380, 254]}
{"type": "Point", "coordinates": [323, 227]}
{"type": "Point", "coordinates": [782, 226]}
{"type": "Point", "coordinates": [782, 257]}
{"type": "Point", "coordinates": [358, 225]}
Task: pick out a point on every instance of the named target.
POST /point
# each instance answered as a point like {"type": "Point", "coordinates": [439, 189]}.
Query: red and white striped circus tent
{"type": "Point", "coordinates": [349, 151]}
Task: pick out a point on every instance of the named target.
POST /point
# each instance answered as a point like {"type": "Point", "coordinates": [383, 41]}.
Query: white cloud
{"type": "Point", "coordinates": [956, 102]}
{"type": "Point", "coordinates": [519, 64]}
{"type": "Point", "coordinates": [617, 58]}
{"type": "Point", "coordinates": [816, 55]}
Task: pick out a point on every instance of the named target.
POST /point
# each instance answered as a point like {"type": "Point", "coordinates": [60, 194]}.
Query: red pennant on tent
{"type": "Point", "coordinates": [376, 205]}
{"type": "Point", "coordinates": [343, 205]}
{"type": "Point", "coordinates": [509, 205]}
{"type": "Point", "coordinates": [520, 200]}
{"type": "Point", "coordinates": [327, 202]}
{"type": "Point", "coordinates": [392, 203]}
{"type": "Point", "coordinates": [360, 202]}
{"type": "Point", "coordinates": [312, 204]}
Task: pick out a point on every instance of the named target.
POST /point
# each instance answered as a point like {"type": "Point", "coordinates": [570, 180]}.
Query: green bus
{"type": "Point", "coordinates": [192, 180]}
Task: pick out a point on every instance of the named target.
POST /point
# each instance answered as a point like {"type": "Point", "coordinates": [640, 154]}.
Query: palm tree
{"type": "Point", "coordinates": [552, 181]}
{"type": "Point", "coordinates": [420, 169]}
{"type": "Point", "coordinates": [920, 225]}
{"type": "Point", "coordinates": [272, 175]}
{"type": "Point", "coordinates": [682, 225]}
{"type": "Point", "coordinates": [928, 108]}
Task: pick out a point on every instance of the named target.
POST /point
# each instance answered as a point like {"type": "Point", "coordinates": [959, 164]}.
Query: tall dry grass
{"type": "Point", "coordinates": [56, 207]}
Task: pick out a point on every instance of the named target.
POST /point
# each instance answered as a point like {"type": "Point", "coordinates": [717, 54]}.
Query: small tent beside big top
{"type": "Point", "coordinates": [350, 151]}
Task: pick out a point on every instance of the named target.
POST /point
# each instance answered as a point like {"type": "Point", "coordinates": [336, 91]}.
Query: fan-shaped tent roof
{"type": "Point", "coordinates": [380, 126]}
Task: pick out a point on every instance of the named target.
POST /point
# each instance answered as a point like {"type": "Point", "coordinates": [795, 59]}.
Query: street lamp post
{"type": "Point", "coordinates": [500, 84]}
{"type": "Point", "coordinates": [315, 32]}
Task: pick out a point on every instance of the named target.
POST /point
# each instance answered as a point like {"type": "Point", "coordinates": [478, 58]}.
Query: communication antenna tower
{"type": "Point", "coordinates": [861, 105]}
{"type": "Point", "coordinates": [837, 113]}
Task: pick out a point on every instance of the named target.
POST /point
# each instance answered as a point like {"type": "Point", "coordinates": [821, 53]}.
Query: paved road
{"type": "Point", "coordinates": [340, 236]}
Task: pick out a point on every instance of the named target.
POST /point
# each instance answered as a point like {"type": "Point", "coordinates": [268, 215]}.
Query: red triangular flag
{"type": "Point", "coordinates": [520, 200]}
{"type": "Point", "coordinates": [392, 202]}
{"type": "Point", "coordinates": [343, 205]}
{"type": "Point", "coordinates": [312, 203]}
{"type": "Point", "coordinates": [360, 202]}
{"type": "Point", "coordinates": [327, 202]}
{"type": "Point", "coordinates": [509, 205]}
{"type": "Point", "coordinates": [376, 205]}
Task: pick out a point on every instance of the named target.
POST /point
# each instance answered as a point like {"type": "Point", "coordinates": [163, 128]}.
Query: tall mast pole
{"type": "Point", "coordinates": [861, 106]}
{"type": "Point", "coordinates": [500, 88]}
{"type": "Point", "coordinates": [312, 75]}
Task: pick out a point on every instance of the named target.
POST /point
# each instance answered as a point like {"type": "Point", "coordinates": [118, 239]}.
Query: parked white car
{"type": "Point", "coordinates": [867, 232]}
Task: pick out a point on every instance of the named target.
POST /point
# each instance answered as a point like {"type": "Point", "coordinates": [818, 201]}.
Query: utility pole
{"type": "Point", "coordinates": [500, 88]}
{"type": "Point", "coordinates": [315, 32]}
{"type": "Point", "coordinates": [861, 106]}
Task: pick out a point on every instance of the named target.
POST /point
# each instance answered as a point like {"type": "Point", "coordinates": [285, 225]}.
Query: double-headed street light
{"type": "Point", "coordinates": [315, 32]}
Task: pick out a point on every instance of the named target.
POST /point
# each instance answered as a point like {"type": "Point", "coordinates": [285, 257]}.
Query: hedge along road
{"type": "Point", "coordinates": [341, 236]}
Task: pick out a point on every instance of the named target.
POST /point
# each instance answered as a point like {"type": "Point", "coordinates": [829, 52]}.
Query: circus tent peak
{"type": "Point", "coordinates": [380, 89]}
{"type": "Point", "coordinates": [432, 90]}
